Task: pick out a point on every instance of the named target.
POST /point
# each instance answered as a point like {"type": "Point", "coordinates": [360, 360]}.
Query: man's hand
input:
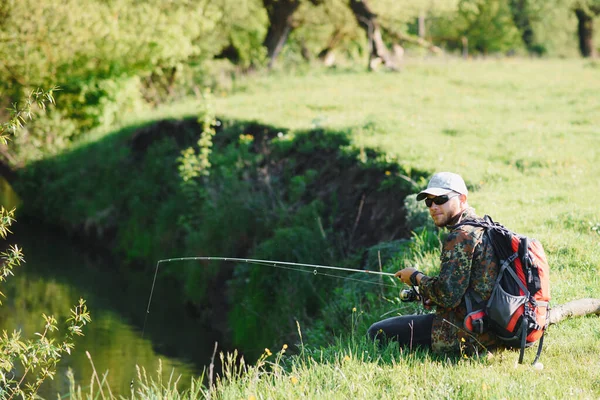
{"type": "Point", "coordinates": [404, 275]}
{"type": "Point", "coordinates": [427, 303]}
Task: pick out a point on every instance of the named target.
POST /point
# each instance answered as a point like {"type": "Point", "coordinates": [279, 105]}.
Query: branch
{"type": "Point", "coordinates": [402, 37]}
{"type": "Point", "coordinates": [575, 308]}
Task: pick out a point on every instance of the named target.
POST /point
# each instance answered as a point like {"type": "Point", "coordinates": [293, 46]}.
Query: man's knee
{"type": "Point", "coordinates": [375, 332]}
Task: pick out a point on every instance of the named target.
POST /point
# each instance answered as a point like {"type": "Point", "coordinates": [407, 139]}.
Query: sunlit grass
{"type": "Point", "coordinates": [525, 134]}
{"type": "Point", "coordinates": [355, 368]}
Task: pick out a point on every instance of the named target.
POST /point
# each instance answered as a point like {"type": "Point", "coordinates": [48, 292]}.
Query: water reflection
{"type": "Point", "coordinates": [58, 271]}
{"type": "Point", "coordinates": [8, 197]}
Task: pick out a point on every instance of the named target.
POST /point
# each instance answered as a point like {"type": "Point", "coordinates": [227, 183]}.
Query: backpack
{"type": "Point", "coordinates": [518, 308]}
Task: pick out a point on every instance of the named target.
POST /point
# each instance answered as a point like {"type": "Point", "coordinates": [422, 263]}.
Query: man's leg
{"type": "Point", "coordinates": [408, 331]}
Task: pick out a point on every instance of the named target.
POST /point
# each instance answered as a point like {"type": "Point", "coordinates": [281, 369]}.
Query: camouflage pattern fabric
{"type": "Point", "coordinates": [467, 262]}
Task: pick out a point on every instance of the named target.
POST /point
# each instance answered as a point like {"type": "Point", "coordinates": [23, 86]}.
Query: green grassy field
{"type": "Point", "coordinates": [525, 135]}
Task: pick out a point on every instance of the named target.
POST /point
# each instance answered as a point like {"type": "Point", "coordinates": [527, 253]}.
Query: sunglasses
{"type": "Point", "coordinates": [439, 200]}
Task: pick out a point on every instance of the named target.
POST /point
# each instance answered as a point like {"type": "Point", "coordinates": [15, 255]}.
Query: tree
{"type": "Point", "coordinates": [586, 10]}
{"type": "Point", "coordinates": [522, 19]}
{"type": "Point", "coordinates": [280, 24]}
{"type": "Point", "coordinates": [378, 51]}
{"type": "Point", "coordinates": [280, 14]}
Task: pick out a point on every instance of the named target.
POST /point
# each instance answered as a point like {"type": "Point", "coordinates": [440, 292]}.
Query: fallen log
{"type": "Point", "coordinates": [575, 308]}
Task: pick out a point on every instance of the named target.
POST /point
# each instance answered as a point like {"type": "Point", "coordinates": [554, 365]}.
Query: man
{"type": "Point", "coordinates": [468, 271]}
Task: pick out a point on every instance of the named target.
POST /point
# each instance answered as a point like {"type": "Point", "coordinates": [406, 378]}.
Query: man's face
{"type": "Point", "coordinates": [442, 214]}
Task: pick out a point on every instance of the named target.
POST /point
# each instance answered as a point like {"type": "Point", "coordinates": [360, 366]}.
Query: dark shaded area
{"type": "Point", "coordinates": [124, 195]}
{"type": "Point", "coordinates": [366, 212]}
{"type": "Point", "coordinates": [7, 172]}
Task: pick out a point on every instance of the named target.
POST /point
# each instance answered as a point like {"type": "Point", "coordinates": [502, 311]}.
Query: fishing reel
{"type": "Point", "coordinates": [408, 295]}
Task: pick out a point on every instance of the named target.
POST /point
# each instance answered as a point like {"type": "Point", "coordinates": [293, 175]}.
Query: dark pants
{"type": "Point", "coordinates": [409, 330]}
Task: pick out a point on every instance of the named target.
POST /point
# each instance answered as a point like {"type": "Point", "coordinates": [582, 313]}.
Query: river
{"type": "Point", "coordinates": [59, 271]}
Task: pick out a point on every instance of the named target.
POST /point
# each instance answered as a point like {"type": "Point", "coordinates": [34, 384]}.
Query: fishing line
{"type": "Point", "coordinates": [276, 264]}
{"type": "Point", "coordinates": [315, 273]}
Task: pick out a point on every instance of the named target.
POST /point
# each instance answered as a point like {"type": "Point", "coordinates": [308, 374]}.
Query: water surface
{"type": "Point", "coordinates": [60, 270]}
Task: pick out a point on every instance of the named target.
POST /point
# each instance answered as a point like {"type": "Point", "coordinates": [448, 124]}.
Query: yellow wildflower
{"type": "Point", "coordinates": [294, 380]}
{"type": "Point", "coordinates": [285, 346]}
{"type": "Point", "coordinates": [268, 352]}
{"type": "Point", "coordinates": [462, 339]}
{"type": "Point", "coordinates": [252, 397]}
{"type": "Point", "coordinates": [347, 358]}
{"type": "Point", "coordinates": [354, 309]}
{"type": "Point", "coordinates": [387, 173]}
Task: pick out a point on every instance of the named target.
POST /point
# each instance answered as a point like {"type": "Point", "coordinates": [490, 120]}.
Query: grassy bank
{"type": "Point", "coordinates": [523, 133]}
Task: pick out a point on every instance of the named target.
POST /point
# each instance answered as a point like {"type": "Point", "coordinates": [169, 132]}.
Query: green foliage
{"type": "Point", "coordinates": [266, 297]}
{"type": "Point", "coordinates": [486, 25]}
{"type": "Point", "coordinates": [37, 358]}
{"type": "Point", "coordinates": [13, 256]}
{"type": "Point", "coordinates": [417, 214]}
{"type": "Point", "coordinates": [192, 165]}
{"type": "Point", "coordinates": [26, 364]}
{"type": "Point", "coordinates": [71, 40]}
{"type": "Point", "coordinates": [109, 57]}
{"type": "Point", "coordinates": [21, 114]}
{"type": "Point", "coordinates": [246, 24]}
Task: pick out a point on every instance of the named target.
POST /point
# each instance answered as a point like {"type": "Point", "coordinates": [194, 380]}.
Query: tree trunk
{"type": "Point", "coordinates": [421, 23]}
{"type": "Point", "coordinates": [378, 52]}
{"type": "Point", "coordinates": [585, 31]}
{"type": "Point", "coordinates": [575, 308]}
{"type": "Point", "coordinates": [520, 16]}
{"type": "Point", "coordinates": [280, 25]}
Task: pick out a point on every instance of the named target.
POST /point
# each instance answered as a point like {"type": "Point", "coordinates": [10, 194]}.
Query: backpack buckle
{"type": "Point", "coordinates": [474, 322]}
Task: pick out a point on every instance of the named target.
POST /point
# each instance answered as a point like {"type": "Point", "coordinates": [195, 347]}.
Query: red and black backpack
{"type": "Point", "coordinates": [517, 310]}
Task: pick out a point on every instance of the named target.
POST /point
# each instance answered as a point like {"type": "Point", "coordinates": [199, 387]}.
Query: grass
{"type": "Point", "coordinates": [353, 368]}
{"type": "Point", "coordinates": [525, 135]}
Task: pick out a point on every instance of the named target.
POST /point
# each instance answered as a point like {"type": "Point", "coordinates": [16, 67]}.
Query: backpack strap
{"type": "Point", "coordinates": [539, 350]}
{"type": "Point", "coordinates": [524, 327]}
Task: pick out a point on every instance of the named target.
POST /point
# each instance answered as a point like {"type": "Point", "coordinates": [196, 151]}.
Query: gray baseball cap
{"type": "Point", "coordinates": [443, 183]}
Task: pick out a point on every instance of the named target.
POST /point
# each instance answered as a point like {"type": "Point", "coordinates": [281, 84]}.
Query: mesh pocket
{"type": "Point", "coordinates": [502, 307]}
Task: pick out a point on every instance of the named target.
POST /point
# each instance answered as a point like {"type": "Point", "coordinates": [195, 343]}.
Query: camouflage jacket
{"type": "Point", "coordinates": [467, 262]}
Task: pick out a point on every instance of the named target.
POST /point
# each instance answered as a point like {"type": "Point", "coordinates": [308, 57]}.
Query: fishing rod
{"type": "Point", "coordinates": [274, 264]}
{"type": "Point", "coordinates": [278, 264]}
